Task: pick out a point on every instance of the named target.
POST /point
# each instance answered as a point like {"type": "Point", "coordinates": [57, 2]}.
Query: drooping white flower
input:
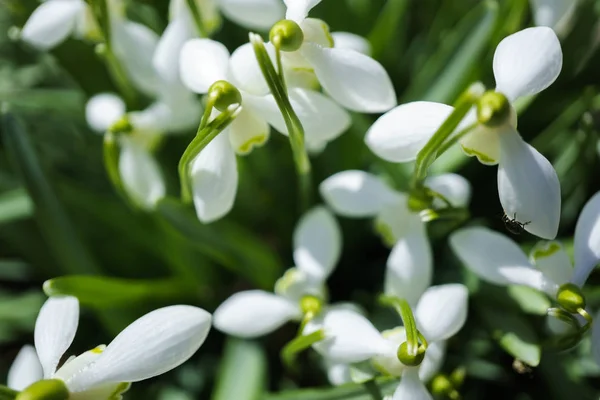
{"type": "Point", "coordinates": [351, 78]}
{"type": "Point", "coordinates": [152, 345]}
{"type": "Point", "coordinates": [556, 14]}
{"type": "Point", "coordinates": [497, 259]}
{"type": "Point", "coordinates": [351, 41]}
{"type": "Point", "coordinates": [205, 61]}
{"type": "Point", "coordinates": [317, 247]}
{"type": "Point", "coordinates": [525, 63]}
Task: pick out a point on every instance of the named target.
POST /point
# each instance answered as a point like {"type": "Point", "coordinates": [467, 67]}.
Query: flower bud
{"type": "Point", "coordinates": [311, 305]}
{"type": "Point", "coordinates": [47, 389]}
{"type": "Point", "coordinates": [224, 94]}
{"type": "Point", "coordinates": [410, 360]}
{"type": "Point", "coordinates": [286, 35]}
{"type": "Point", "coordinates": [570, 297]}
{"type": "Point", "coordinates": [441, 385]}
{"type": "Point", "coordinates": [493, 109]}
{"type": "Point", "coordinates": [122, 125]}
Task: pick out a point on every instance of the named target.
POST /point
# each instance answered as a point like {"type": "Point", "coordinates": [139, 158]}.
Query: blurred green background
{"type": "Point", "coordinates": [60, 216]}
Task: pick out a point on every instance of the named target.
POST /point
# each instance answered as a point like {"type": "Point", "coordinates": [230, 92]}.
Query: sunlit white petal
{"type": "Point", "coordinates": [55, 329]}
{"type": "Point", "coordinates": [317, 243]}
{"type": "Point", "coordinates": [354, 80]}
{"type": "Point", "coordinates": [432, 363]}
{"type": "Point", "coordinates": [453, 187]}
{"type": "Point", "coordinates": [255, 14]}
{"type": "Point", "coordinates": [152, 345]}
{"type": "Point", "coordinates": [483, 143]}
{"type": "Point", "coordinates": [103, 110]}
{"type": "Point", "coordinates": [248, 130]}
{"type": "Point", "coordinates": [51, 22]}
{"type": "Point", "coordinates": [351, 41]}
{"type": "Point", "coordinates": [203, 62]}
{"type": "Point", "coordinates": [25, 370]}
{"type": "Point", "coordinates": [553, 261]}
{"type": "Point", "coordinates": [411, 387]}
{"type": "Point", "coordinates": [442, 311]}
{"type": "Point", "coordinates": [244, 71]}
{"type": "Point", "coordinates": [254, 313]}
{"type": "Point", "coordinates": [338, 373]}
{"type": "Point", "coordinates": [166, 56]}
{"type": "Point", "coordinates": [297, 10]}
{"type": "Point", "coordinates": [141, 175]}
{"type": "Point", "coordinates": [402, 132]}
{"type": "Point", "coordinates": [527, 62]}
{"type": "Point", "coordinates": [587, 240]}
{"type": "Point", "coordinates": [528, 186]}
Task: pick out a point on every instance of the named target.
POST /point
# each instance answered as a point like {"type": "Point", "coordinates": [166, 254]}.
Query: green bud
{"type": "Point", "coordinates": [570, 297]}
{"type": "Point", "coordinates": [286, 35]}
{"type": "Point", "coordinates": [410, 360]}
{"type": "Point", "coordinates": [441, 385]}
{"type": "Point", "coordinates": [311, 304]}
{"type": "Point", "coordinates": [224, 94]}
{"type": "Point", "coordinates": [47, 389]}
{"type": "Point", "coordinates": [493, 109]}
{"type": "Point", "coordinates": [121, 126]}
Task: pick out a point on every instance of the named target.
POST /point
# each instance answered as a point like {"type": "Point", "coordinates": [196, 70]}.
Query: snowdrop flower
{"type": "Point", "coordinates": [152, 345]}
{"type": "Point", "coordinates": [317, 247]}
{"type": "Point", "coordinates": [139, 171]}
{"type": "Point", "coordinates": [133, 43]}
{"type": "Point", "coordinates": [350, 337]}
{"type": "Point", "coordinates": [351, 78]}
{"type": "Point", "coordinates": [556, 14]}
{"type": "Point", "coordinates": [204, 62]}
{"type": "Point", "coordinates": [525, 63]}
{"type": "Point", "coordinates": [497, 259]}
{"type": "Point", "coordinates": [351, 41]}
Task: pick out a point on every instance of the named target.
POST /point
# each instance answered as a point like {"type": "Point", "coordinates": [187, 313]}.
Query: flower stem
{"type": "Point", "coordinates": [111, 161]}
{"type": "Point", "coordinates": [197, 16]}
{"type": "Point", "coordinates": [431, 151]}
{"type": "Point", "coordinates": [298, 344]}
{"type": "Point", "coordinates": [403, 308]}
{"type": "Point", "coordinates": [206, 133]}
{"type": "Point", "coordinates": [292, 122]}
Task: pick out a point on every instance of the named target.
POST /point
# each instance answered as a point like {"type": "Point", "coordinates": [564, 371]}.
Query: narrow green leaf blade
{"type": "Point", "coordinates": [15, 205]}
{"type": "Point", "coordinates": [346, 392]}
{"type": "Point", "coordinates": [243, 371]}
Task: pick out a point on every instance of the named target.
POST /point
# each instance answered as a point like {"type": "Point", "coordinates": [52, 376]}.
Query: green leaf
{"type": "Point", "coordinates": [7, 393]}
{"type": "Point", "coordinates": [50, 214]}
{"type": "Point", "coordinates": [467, 57]}
{"type": "Point", "coordinates": [386, 26]}
{"type": "Point", "coordinates": [243, 371]}
{"type": "Point", "coordinates": [15, 205]}
{"type": "Point", "coordinates": [104, 292]}
{"type": "Point", "coordinates": [232, 246]}
{"type": "Point", "coordinates": [63, 101]}
{"type": "Point", "coordinates": [529, 300]}
{"type": "Point", "coordinates": [514, 333]}
{"type": "Point", "coordinates": [350, 391]}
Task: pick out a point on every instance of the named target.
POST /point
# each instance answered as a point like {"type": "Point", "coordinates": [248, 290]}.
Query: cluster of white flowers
{"type": "Point", "coordinates": [323, 76]}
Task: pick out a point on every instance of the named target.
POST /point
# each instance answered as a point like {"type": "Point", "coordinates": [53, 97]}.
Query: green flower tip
{"type": "Point", "coordinates": [47, 389]}
{"type": "Point", "coordinates": [441, 385]}
{"type": "Point", "coordinates": [570, 298]}
{"type": "Point", "coordinates": [493, 109]}
{"type": "Point", "coordinates": [286, 35]}
{"type": "Point", "coordinates": [311, 305]}
{"type": "Point", "coordinates": [408, 359]}
{"type": "Point", "coordinates": [224, 94]}
{"type": "Point", "coordinates": [121, 126]}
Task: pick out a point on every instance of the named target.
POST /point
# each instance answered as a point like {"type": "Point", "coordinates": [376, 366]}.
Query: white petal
{"type": "Point", "coordinates": [400, 134]}
{"type": "Point", "coordinates": [103, 110]}
{"type": "Point", "coordinates": [355, 193]}
{"type": "Point", "coordinates": [254, 14]}
{"type": "Point", "coordinates": [354, 80]}
{"type": "Point", "coordinates": [338, 373]}
{"type": "Point", "coordinates": [442, 311]}
{"type": "Point", "coordinates": [351, 41]}
{"type": "Point", "coordinates": [141, 174]}
{"type": "Point", "coordinates": [254, 313]}
{"type": "Point", "coordinates": [248, 130]}
{"type": "Point", "coordinates": [483, 143]}
{"type": "Point", "coordinates": [453, 187]}
{"type": "Point", "coordinates": [74, 365]}
{"type": "Point", "coordinates": [214, 179]}
{"type": "Point", "coordinates": [411, 387]}
{"type": "Point", "coordinates": [244, 71]}
{"type": "Point", "coordinates": [203, 62]}
{"type": "Point", "coordinates": [528, 186]}
{"type": "Point", "coordinates": [350, 337]}
{"type": "Point", "coordinates": [152, 345]}
{"type": "Point", "coordinates": [553, 261]}
{"type": "Point", "coordinates": [527, 62]}
{"type": "Point", "coordinates": [587, 240]}
{"type": "Point", "coordinates": [317, 243]}
{"type": "Point", "coordinates": [409, 268]}
{"type": "Point", "coordinates": [322, 119]}
{"type": "Point", "coordinates": [432, 363]}
{"type": "Point", "coordinates": [396, 220]}
{"type": "Point", "coordinates": [166, 56]}
{"type": "Point", "coordinates": [297, 10]}
{"type": "Point", "coordinates": [497, 259]}
{"type": "Point", "coordinates": [25, 370]}
{"type": "Point", "coordinates": [55, 329]}
{"type": "Point", "coordinates": [556, 14]}
{"type": "Point", "coordinates": [51, 23]}
{"type": "Point", "coordinates": [596, 338]}
{"type": "Point", "coordinates": [135, 45]}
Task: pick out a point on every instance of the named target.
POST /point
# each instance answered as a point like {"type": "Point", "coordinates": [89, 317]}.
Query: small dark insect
{"type": "Point", "coordinates": [512, 225]}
